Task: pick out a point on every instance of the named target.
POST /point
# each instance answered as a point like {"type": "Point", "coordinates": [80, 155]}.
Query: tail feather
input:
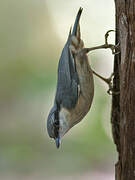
{"type": "Point", "coordinates": [74, 32]}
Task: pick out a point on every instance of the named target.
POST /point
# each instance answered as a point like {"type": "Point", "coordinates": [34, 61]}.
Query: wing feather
{"type": "Point", "coordinates": [68, 81]}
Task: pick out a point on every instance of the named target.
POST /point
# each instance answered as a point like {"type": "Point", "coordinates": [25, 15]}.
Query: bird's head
{"type": "Point", "coordinates": [57, 124]}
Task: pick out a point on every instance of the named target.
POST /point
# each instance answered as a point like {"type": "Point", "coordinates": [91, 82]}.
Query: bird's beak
{"type": "Point", "coordinates": [58, 141]}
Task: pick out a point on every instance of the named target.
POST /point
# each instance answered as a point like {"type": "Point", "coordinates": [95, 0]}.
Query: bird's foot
{"type": "Point", "coordinates": [109, 81]}
{"type": "Point", "coordinates": [114, 48]}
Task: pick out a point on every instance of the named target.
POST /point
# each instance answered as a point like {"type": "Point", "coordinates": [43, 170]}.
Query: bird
{"type": "Point", "coordinates": [75, 84]}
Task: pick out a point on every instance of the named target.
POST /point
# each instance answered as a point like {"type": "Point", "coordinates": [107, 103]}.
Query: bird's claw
{"type": "Point", "coordinates": [114, 48]}
{"type": "Point", "coordinates": [107, 35]}
{"type": "Point", "coordinates": [111, 89]}
{"type": "Point", "coordinates": [112, 92]}
{"type": "Point", "coordinates": [110, 84]}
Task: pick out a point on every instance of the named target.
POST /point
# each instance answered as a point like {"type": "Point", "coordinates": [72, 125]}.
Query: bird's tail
{"type": "Point", "coordinates": [74, 32]}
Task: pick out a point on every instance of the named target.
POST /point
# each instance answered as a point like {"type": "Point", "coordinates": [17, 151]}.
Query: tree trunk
{"type": "Point", "coordinates": [123, 104]}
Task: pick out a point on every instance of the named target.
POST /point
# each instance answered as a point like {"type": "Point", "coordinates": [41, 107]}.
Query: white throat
{"type": "Point", "coordinates": [63, 119]}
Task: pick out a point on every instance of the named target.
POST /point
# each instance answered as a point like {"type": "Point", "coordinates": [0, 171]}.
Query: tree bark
{"type": "Point", "coordinates": [123, 104]}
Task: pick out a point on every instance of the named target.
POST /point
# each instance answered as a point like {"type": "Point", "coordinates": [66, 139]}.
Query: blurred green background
{"type": "Point", "coordinates": [32, 34]}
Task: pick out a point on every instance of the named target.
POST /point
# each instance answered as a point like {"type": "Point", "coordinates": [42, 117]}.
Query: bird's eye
{"type": "Point", "coordinates": [56, 123]}
{"type": "Point", "coordinates": [56, 128]}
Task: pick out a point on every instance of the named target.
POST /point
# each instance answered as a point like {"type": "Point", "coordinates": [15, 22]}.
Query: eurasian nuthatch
{"type": "Point", "coordinates": [75, 85]}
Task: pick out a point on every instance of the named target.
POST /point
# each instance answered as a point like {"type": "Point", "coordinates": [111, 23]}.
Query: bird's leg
{"type": "Point", "coordinates": [114, 48]}
{"type": "Point", "coordinates": [108, 81]}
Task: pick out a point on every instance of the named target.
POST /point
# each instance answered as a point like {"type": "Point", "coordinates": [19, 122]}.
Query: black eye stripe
{"type": "Point", "coordinates": [56, 115]}
{"type": "Point", "coordinates": [56, 123]}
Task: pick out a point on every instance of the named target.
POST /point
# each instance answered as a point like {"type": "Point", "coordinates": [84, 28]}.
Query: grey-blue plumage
{"type": "Point", "coordinates": [68, 81]}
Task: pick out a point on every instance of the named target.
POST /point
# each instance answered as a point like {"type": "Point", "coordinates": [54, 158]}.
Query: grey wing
{"type": "Point", "coordinates": [68, 81]}
{"type": "Point", "coordinates": [67, 87]}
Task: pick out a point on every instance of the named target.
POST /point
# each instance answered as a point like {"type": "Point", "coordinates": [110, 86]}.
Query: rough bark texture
{"type": "Point", "coordinates": [123, 105]}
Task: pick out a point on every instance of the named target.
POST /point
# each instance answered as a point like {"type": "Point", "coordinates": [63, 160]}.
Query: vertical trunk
{"type": "Point", "coordinates": [123, 105]}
